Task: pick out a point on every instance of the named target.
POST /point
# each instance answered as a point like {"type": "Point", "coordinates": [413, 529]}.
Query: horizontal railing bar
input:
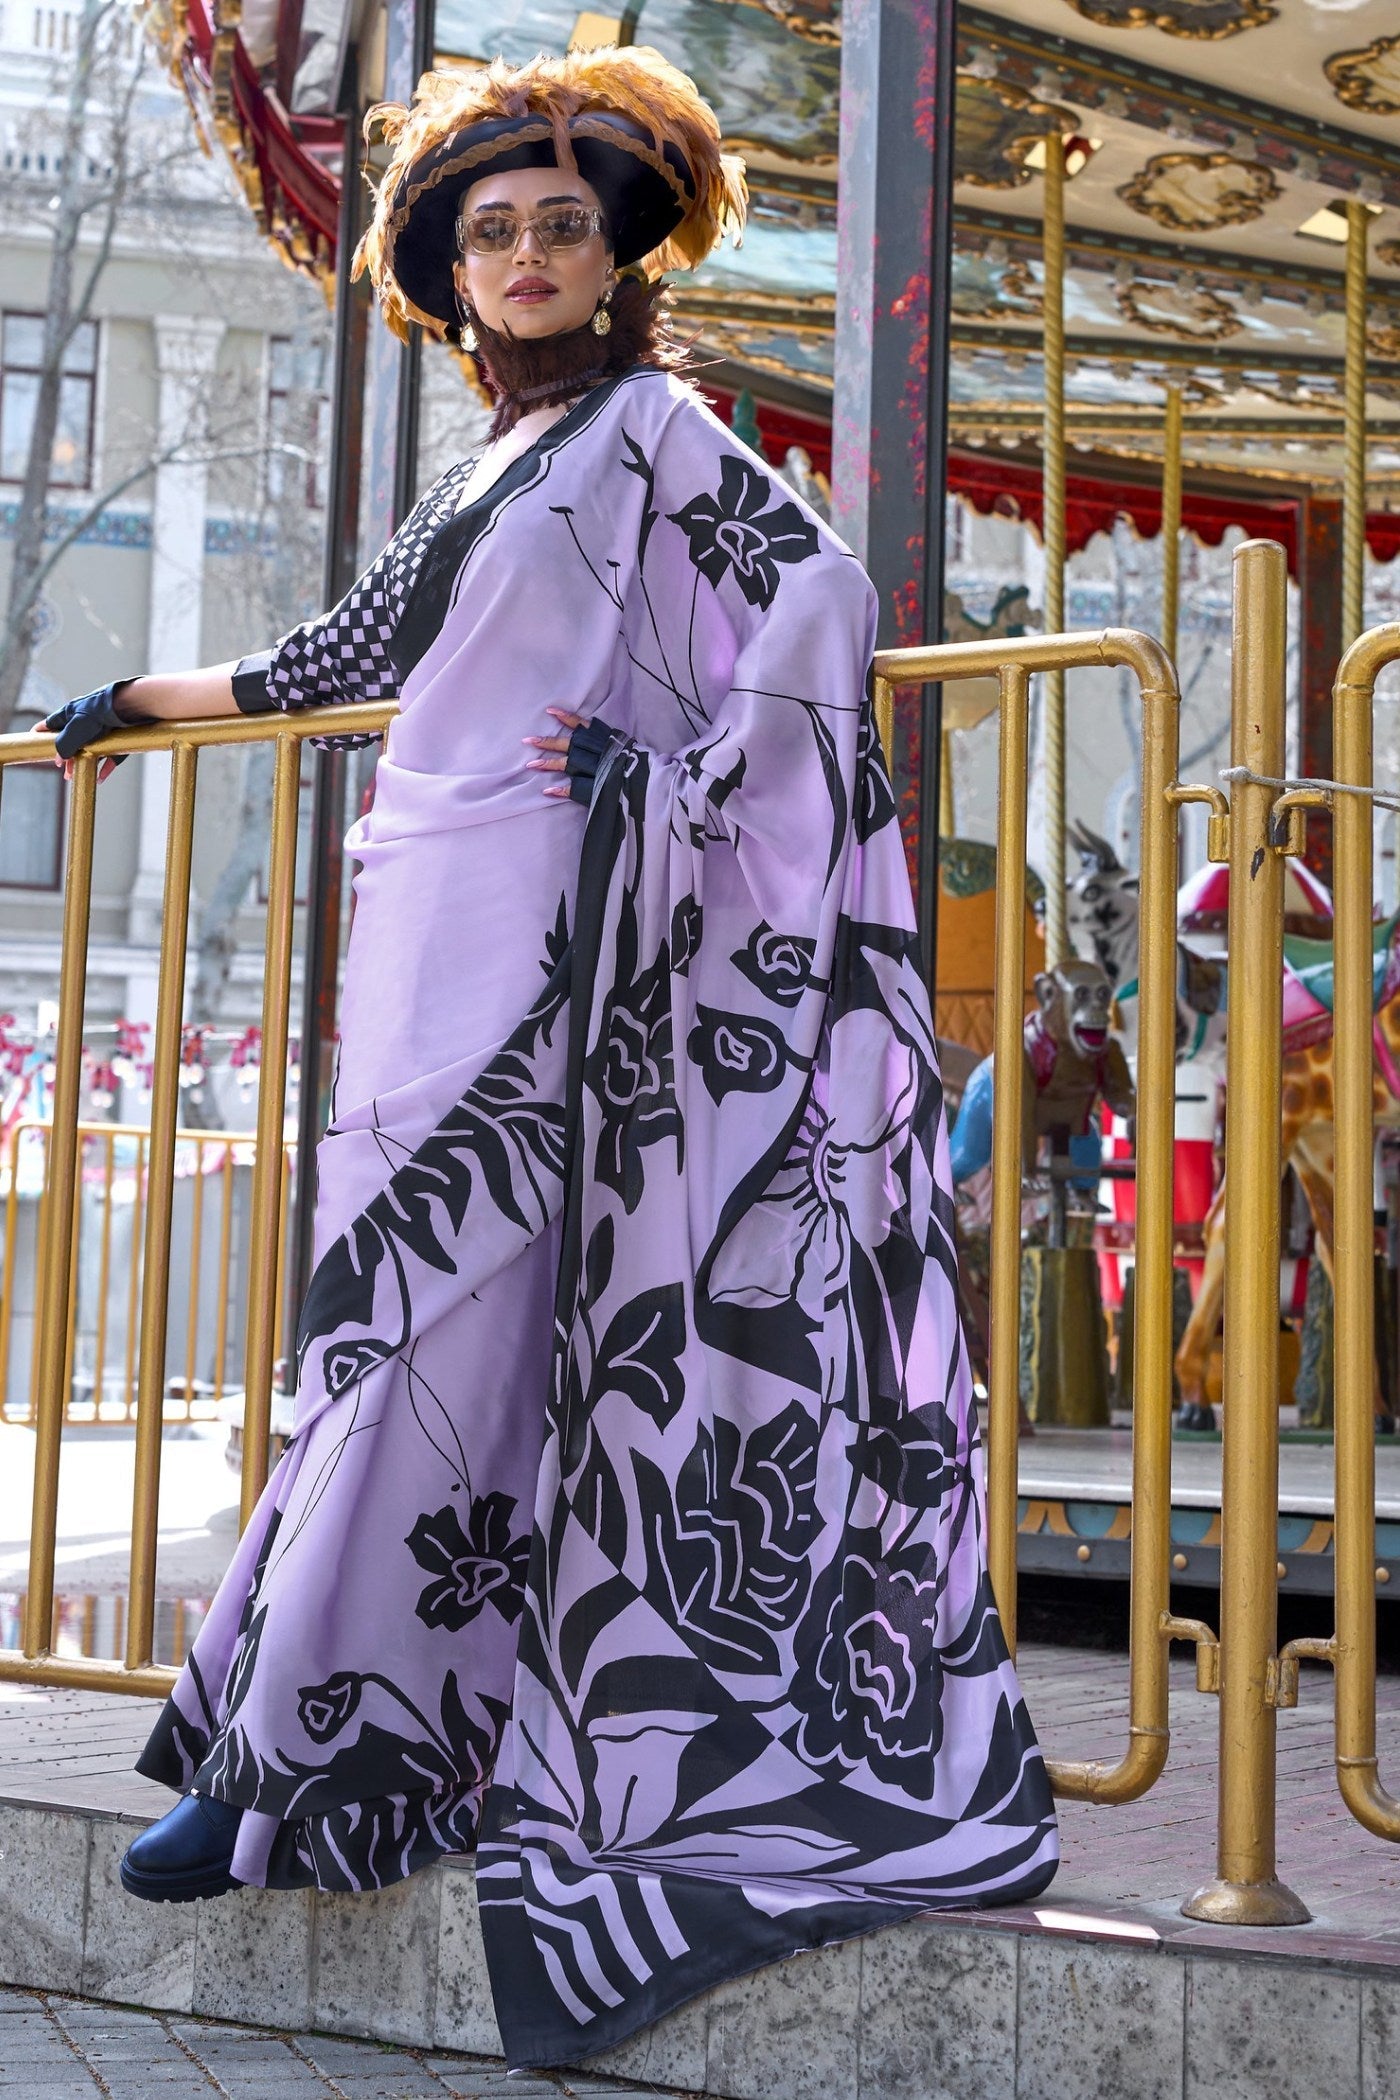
{"type": "Point", "coordinates": [86, 1673]}
{"type": "Point", "coordinates": [185, 1134]}
{"type": "Point", "coordinates": [944, 663]}
{"type": "Point", "coordinates": [357, 718]}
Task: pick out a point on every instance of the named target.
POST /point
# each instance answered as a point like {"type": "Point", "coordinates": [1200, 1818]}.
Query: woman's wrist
{"type": "Point", "coordinates": [176, 696]}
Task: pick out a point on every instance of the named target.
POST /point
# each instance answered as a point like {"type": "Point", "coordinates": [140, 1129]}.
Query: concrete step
{"type": "Point", "coordinates": [1040, 2004]}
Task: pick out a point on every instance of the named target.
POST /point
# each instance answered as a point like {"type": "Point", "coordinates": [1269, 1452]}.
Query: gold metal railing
{"type": "Point", "coordinates": [218, 1157]}
{"type": "Point", "coordinates": [1351, 1649]}
{"type": "Point", "coordinates": [184, 740]}
{"type": "Point", "coordinates": [1152, 1625]}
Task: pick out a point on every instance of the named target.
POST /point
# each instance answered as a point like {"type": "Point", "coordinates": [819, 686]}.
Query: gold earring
{"type": "Point", "coordinates": [602, 319]}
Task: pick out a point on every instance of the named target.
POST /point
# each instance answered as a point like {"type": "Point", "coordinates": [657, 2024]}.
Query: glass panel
{"type": "Point", "coordinates": [279, 369]}
{"type": "Point", "coordinates": [81, 354]}
{"type": "Point", "coordinates": [24, 339]}
{"type": "Point", "coordinates": [70, 440]}
{"type": "Point", "coordinates": [17, 398]}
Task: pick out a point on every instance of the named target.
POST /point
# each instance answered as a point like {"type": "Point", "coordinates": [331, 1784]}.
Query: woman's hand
{"type": "Point", "coordinates": [80, 722]}
{"type": "Point", "coordinates": [553, 744]}
{"type": "Point", "coordinates": [575, 755]}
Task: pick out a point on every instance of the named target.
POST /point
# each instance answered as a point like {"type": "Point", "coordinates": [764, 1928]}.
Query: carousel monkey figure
{"type": "Point", "coordinates": [1072, 1061]}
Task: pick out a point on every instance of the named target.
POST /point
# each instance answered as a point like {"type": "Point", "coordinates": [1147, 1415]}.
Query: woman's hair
{"type": "Point", "coordinates": [552, 367]}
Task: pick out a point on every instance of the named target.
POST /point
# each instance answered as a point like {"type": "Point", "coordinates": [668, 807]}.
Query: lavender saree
{"type": "Point", "coordinates": [631, 1535]}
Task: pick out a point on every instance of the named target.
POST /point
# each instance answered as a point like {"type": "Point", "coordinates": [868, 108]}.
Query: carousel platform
{"type": "Point", "coordinates": [1101, 1991]}
{"type": "Point", "coordinates": [1075, 1511]}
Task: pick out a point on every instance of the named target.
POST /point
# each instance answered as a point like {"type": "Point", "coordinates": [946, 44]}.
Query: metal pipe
{"type": "Point", "coordinates": [7, 1274]}
{"type": "Point", "coordinates": [1171, 520]}
{"type": "Point", "coordinates": [133, 1299]}
{"type": "Point", "coordinates": [1354, 1275]}
{"type": "Point", "coordinates": [1354, 427]}
{"type": "Point", "coordinates": [52, 1292]}
{"type": "Point", "coordinates": [71, 1339]}
{"type": "Point", "coordinates": [1152, 1626]}
{"type": "Point", "coordinates": [104, 1274]}
{"type": "Point", "coordinates": [1004, 1372]}
{"type": "Point", "coordinates": [41, 1227]}
{"type": "Point", "coordinates": [263, 1233]}
{"type": "Point", "coordinates": [196, 1256]}
{"type": "Point", "coordinates": [225, 1255]}
{"type": "Point", "coordinates": [160, 1198]}
{"type": "Point", "coordinates": [1246, 1889]}
{"type": "Point", "coordinates": [1053, 501]}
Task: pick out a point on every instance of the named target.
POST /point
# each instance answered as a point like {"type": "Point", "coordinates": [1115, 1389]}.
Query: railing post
{"type": "Point", "coordinates": [1246, 1890]}
{"type": "Point", "coordinates": [1353, 1647]}
{"type": "Point", "coordinates": [1004, 1370]}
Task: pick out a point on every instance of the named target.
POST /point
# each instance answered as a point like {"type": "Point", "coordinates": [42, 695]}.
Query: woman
{"type": "Point", "coordinates": [631, 1531]}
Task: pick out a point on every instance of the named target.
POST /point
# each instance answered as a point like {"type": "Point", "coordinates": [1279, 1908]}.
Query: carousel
{"type": "Point", "coordinates": [1169, 318]}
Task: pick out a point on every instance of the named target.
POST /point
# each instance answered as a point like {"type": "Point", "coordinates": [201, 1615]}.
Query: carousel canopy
{"type": "Point", "coordinates": [1214, 146]}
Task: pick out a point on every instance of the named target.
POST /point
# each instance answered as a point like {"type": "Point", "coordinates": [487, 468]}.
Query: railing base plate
{"type": "Point", "coordinates": [1246, 1903]}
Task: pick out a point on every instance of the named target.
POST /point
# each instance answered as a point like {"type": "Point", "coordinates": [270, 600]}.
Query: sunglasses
{"type": "Point", "coordinates": [491, 232]}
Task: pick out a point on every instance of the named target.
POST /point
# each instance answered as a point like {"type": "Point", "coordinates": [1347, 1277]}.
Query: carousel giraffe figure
{"type": "Point", "coordinates": [1102, 926]}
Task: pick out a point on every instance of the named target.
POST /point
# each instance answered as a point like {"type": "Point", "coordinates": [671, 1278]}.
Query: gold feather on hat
{"type": "Point", "coordinates": [635, 82]}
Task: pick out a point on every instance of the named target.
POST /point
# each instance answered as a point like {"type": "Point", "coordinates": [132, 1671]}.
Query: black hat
{"type": "Point", "coordinates": [637, 130]}
{"type": "Point", "coordinates": [645, 191]}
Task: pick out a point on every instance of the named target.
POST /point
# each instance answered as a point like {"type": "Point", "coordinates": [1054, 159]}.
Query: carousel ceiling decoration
{"type": "Point", "coordinates": [1191, 315]}
{"type": "Point", "coordinates": [1204, 20]}
{"type": "Point", "coordinates": [1218, 112]}
{"type": "Point", "coordinates": [1368, 79]}
{"type": "Point", "coordinates": [1199, 192]}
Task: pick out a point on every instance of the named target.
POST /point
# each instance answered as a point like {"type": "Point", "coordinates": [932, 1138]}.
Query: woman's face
{"type": "Point", "coordinates": [530, 290]}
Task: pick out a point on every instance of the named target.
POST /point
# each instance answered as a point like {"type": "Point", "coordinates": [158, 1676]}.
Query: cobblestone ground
{"type": "Point", "coordinates": [54, 2048]}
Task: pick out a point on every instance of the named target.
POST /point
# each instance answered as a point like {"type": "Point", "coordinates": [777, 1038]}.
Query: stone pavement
{"type": "Point", "coordinates": [56, 2048]}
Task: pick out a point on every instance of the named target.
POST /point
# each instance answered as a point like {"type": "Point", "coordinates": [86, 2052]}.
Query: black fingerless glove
{"type": "Point", "coordinates": [586, 746]}
{"type": "Point", "coordinates": [81, 722]}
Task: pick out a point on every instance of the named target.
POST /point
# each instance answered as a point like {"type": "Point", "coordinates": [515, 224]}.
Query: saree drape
{"type": "Point", "coordinates": [632, 1531]}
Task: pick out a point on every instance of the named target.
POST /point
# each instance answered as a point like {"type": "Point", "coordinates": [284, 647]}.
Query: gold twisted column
{"type": "Point", "coordinates": [1246, 1890]}
{"type": "Point", "coordinates": [1171, 520]}
{"type": "Point", "coordinates": [1053, 497]}
{"type": "Point", "coordinates": [1354, 428]}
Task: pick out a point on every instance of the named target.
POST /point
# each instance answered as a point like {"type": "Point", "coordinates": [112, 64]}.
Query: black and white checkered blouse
{"type": "Point", "coordinates": [348, 653]}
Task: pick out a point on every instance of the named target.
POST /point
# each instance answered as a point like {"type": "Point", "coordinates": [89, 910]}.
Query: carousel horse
{"type": "Point", "coordinates": [1102, 923]}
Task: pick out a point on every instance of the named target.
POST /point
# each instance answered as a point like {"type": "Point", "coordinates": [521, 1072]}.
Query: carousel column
{"type": "Point", "coordinates": [1053, 499]}
{"type": "Point", "coordinates": [186, 350]}
{"type": "Point", "coordinates": [1320, 639]}
{"type": "Point", "coordinates": [320, 984]}
{"type": "Point", "coordinates": [1171, 521]}
{"type": "Point", "coordinates": [1354, 428]}
{"type": "Point", "coordinates": [890, 420]}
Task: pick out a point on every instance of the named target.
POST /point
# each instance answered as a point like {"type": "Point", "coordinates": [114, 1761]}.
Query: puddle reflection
{"type": "Point", "coordinates": [87, 1624]}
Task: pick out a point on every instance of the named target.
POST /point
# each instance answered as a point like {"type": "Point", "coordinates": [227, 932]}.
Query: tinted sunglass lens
{"type": "Point", "coordinates": [566, 227]}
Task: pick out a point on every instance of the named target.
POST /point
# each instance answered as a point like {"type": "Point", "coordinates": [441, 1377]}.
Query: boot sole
{"type": "Point", "coordinates": [176, 1888]}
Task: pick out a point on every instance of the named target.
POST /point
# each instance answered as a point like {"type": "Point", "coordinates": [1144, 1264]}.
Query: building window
{"type": "Point", "coordinates": [21, 355]}
{"type": "Point", "coordinates": [288, 435]}
{"type": "Point", "coordinates": [31, 823]}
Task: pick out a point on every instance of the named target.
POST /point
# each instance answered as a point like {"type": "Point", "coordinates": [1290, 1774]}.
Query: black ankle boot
{"type": "Point", "coordinates": [186, 1854]}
